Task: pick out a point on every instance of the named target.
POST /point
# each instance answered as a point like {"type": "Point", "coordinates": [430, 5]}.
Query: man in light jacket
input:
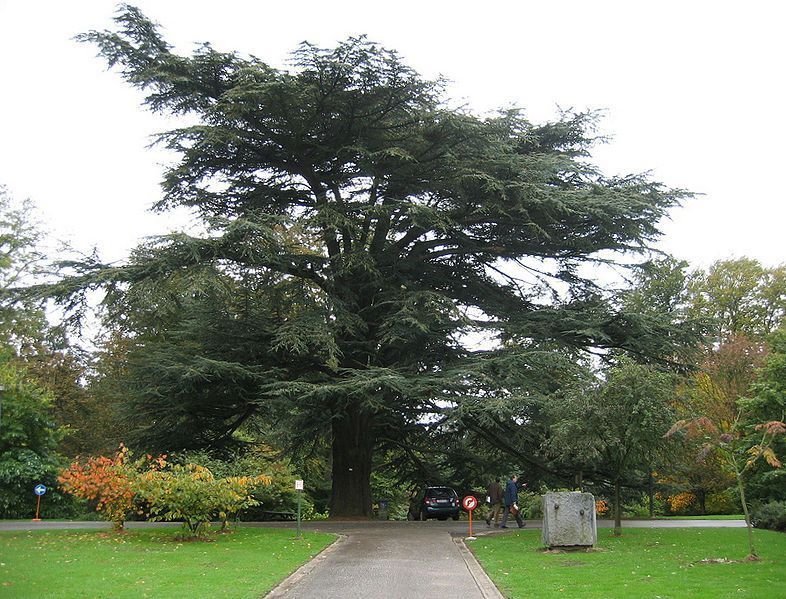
{"type": "Point", "coordinates": [511, 499]}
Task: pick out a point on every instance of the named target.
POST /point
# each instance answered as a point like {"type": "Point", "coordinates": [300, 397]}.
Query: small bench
{"type": "Point", "coordinates": [280, 516]}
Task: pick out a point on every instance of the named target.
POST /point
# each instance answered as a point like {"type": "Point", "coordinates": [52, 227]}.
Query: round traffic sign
{"type": "Point", "coordinates": [39, 489]}
{"type": "Point", "coordinates": [469, 503]}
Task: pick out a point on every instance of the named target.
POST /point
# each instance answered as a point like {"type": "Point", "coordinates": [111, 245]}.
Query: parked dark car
{"type": "Point", "coordinates": [435, 502]}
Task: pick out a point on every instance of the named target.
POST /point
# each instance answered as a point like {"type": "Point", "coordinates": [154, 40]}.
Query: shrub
{"type": "Point", "coordinates": [531, 505]}
{"type": "Point", "coordinates": [771, 516]}
{"type": "Point", "coordinates": [192, 494]}
{"type": "Point", "coordinates": [107, 482]}
{"type": "Point", "coordinates": [681, 502]}
{"type": "Point", "coordinates": [386, 486]}
{"type": "Point", "coordinates": [20, 470]}
{"type": "Point", "coordinates": [233, 494]}
{"type": "Point", "coordinates": [262, 463]}
{"type": "Point", "coordinates": [638, 507]}
{"type": "Point", "coordinates": [725, 502]}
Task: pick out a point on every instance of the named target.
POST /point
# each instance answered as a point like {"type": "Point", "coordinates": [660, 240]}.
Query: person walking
{"type": "Point", "coordinates": [496, 498]}
{"type": "Point", "coordinates": [511, 502]}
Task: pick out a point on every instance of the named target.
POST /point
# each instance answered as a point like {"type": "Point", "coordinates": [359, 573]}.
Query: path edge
{"type": "Point", "coordinates": [487, 588]}
{"type": "Point", "coordinates": [283, 587]}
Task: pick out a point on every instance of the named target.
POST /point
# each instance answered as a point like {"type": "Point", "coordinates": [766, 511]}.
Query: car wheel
{"type": "Point", "coordinates": [455, 517]}
{"type": "Point", "coordinates": [423, 516]}
{"type": "Point", "coordinates": [410, 516]}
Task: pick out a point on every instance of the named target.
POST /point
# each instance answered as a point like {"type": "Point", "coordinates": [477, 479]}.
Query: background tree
{"type": "Point", "coordinates": [41, 350]}
{"type": "Point", "coordinates": [766, 402]}
{"type": "Point", "coordinates": [28, 440]}
{"type": "Point", "coordinates": [691, 471]}
{"type": "Point", "coordinates": [38, 374]}
{"type": "Point", "coordinates": [22, 322]}
{"type": "Point", "coordinates": [739, 296]}
{"type": "Point", "coordinates": [62, 372]}
{"type": "Point", "coordinates": [390, 224]}
{"type": "Point", "coordinates": [732, 298]}
{"type": "Point", "coordinates": [660, 287]}
{"type": "Point", "coordinates": [614, 428]}
{"type": "Point", "coordinates": [723, 419]}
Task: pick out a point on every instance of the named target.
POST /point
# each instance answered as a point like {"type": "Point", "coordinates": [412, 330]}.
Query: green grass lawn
{"type": "Point", "coordinates": [150, 563]}
{"type": "Point", "coordinates": [649, 563]}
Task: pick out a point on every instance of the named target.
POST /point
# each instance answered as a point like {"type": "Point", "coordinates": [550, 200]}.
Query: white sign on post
{"type": "Point", "coordinates": [298, 487]}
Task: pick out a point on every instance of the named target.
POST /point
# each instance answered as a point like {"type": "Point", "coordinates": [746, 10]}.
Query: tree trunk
{"type": "Point", "coordinates": [617, 510]}
{"type": "Point", "coordinates": [353, 446]}
{"type": "Point", "coordinates": [651, 491]}
{"type": "Point", "coordinates": [741, 489]}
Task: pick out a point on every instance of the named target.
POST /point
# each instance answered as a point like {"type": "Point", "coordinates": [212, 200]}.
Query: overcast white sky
{"type": "Point", "coordinates": [693, 92]}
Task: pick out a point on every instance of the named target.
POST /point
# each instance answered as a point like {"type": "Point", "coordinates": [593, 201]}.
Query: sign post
{"type": "Point", "coordinates": [299, 489]}
{"type": "Point", "coordinates": [470, 503]}
{"type": "Point", "coordinates": [39, 490]}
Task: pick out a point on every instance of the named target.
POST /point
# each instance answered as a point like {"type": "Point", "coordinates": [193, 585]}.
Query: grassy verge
{"type": "Point", "coordinates": [714, 517]}
{"type": "Point", "coordinates": [150, 563]}
{"type": "Point", "coordinates": [665, 563]}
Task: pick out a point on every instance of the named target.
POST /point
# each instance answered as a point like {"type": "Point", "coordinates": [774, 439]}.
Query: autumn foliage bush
{"type": "Point", "coordinates": [108, 482]}
{"type": "Point", "coordinates": [173, 492]}
{"type": "Point", "coordinates": [681, 502]}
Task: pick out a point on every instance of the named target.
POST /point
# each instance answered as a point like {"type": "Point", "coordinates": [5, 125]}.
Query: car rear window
{"type": "Point", "coordinates": [441, 493]}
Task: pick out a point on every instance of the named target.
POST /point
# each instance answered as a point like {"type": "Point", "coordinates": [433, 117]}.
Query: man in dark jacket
{"type": "Point", "coordinates": [495, 500]}
{"type": "Point", "coordinates": [511, 499]}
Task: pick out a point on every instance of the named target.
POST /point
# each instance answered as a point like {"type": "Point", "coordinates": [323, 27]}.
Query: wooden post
{"type": "Point", "coordinates": [37, 510]}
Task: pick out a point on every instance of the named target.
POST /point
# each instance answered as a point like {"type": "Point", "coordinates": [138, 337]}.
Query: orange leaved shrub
{"type": "Point", "coordinates": [108, 482]}
{"type": "Point", "coordinates": [680, 502]}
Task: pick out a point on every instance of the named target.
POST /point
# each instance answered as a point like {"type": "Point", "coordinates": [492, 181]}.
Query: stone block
{"type": "Point", "coordinates": [569, 520]}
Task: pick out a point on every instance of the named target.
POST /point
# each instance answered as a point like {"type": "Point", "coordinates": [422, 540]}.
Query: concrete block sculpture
{"type": "Point", "coordinates": [569, 520]}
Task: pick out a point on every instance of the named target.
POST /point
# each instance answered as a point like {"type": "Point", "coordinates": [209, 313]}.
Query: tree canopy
{"type": "Point", "coordinates": [28, 438]}
{"type": "Point", "coordinates": [615, 427]}
{"type": "Point", "coordinates": [739, 296]}
{"type": "Point", "coordinates": [357, 231]}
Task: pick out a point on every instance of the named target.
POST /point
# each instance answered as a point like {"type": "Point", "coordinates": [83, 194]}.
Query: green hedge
{"type": "Point", "coordinates": [771, 516]}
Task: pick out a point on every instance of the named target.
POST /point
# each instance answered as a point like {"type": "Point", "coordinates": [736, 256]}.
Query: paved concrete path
{"type": "Point", "coordinates": [390, 559]}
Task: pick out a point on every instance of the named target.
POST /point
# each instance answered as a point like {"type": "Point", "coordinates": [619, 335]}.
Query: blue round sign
{"type": "Point", "coordinates": [39, 489]}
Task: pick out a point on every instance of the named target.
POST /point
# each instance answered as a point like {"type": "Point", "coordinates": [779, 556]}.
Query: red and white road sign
{"type": "Point", "coordinates": [469, 503]}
